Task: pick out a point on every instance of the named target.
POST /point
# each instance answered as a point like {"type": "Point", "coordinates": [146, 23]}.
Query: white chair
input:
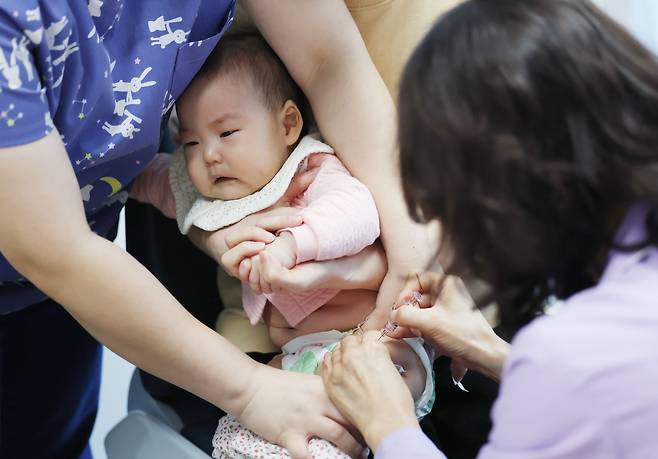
{"type": "Point", "coordinates": [151, 430]}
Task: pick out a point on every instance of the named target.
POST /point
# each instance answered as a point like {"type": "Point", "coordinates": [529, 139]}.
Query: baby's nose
{"type": "Point", "coordinates": [212, 154]}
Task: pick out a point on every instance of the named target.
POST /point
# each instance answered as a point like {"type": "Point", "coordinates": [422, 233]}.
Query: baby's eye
{"type": "Point", "coordinates": [190, 144]}
{"type": "Point", "coordinates": [228, 133]}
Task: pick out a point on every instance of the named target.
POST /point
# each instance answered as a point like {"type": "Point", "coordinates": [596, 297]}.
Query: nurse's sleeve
{"type": "Point", "coordinates": [24, 112]}
{"type": "Point", "coordinates": [408, 443]}
{"type": "Point", "coordinates": [545, 408]}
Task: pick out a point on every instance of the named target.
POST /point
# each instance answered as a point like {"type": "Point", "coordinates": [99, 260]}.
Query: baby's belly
{"type": "Point", "coordinates": [343, 312]}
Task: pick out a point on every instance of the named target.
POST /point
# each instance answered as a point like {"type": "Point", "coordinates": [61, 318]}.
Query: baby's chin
{"type": "Point", "coordinates": [228, 189]}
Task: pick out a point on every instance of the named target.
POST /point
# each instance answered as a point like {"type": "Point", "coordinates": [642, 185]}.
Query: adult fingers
{"type": "Point", "coordinates": [275, 223]}
{"type": "Point", "coordinates": [404, 332]}
{"type": "Point", "coordinates": [265, 285]}
{"type": "Point", "coordinates": [301, 182]}
{"type": "Point", "coordinates": [338, 435]}
{"type": "Point", "coordinates": [232, 258]}
{"type": "Point", "coordinates": [244, 269]}
{"type": "Point", "coordinates": [413, 318]}
{"type": "Point", "coordinates": [296, 444]}
{"type": "Point", "coordinates": [254, 275]}
{"type": "Point", "coordinates": [281, 279]}
{"type": "Point", "coordinates": [249, 233]}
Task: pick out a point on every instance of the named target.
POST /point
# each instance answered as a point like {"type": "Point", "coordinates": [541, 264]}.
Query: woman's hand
{"type": "Point", "coordinates": [409, 247]}
{"type": "Point", "coordinates": [448, 319]}
{"type": "Point", "coordinates": [364, 270]}
{"type": "Point", "coordinates": [363, 383]}
{"type": "Point", "coordinates": [302, 409]}
{"type": "Point", "coordinates": [256, 229]}
{"type": "Point", "coordinates": [246, 241]}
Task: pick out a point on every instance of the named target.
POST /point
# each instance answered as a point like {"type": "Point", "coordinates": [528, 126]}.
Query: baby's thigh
{"type": "Point", "coordinates": [414, 374]}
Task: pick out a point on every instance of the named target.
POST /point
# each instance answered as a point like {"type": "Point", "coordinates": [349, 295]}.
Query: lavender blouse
{"type": "Point", "coordinates": [582, 383]}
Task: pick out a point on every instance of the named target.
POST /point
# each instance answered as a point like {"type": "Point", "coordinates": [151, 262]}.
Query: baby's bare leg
{"type": "Point", "coordinates": [414, 372]}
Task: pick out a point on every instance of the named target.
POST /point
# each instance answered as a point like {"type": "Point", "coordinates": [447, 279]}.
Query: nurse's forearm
{"type": "Point", "coordinates": [46, 238]}
{"type": "Point", "coordinates": [122, 305]}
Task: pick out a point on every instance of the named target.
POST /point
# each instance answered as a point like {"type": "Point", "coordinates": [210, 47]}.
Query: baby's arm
{"type": "Point", "coordinates": [152, 186]}
{"type": "Point", "coordinates": [340, 217]}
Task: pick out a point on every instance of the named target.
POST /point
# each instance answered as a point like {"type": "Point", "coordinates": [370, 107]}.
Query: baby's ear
{"type": "Point", "coordinates": [291, 119]}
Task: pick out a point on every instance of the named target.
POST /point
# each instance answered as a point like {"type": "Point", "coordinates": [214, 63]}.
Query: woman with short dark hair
{"type": "Point", "coordinates": [529, 128]}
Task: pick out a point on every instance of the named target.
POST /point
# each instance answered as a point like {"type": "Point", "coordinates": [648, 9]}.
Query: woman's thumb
{"type": "Point", "coordinates": [410, 317]}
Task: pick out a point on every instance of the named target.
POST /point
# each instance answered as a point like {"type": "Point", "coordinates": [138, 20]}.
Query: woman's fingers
{"type": "Point", "coordinates": [365, 386]}
{"type": "Point", "coordinates": [415, 318]}
{"type": "Point", "coordinates": [232, 259]}
{"type": "Point", "coordinates": [265, 285]}
{"type": "Point", "coordinates": [418, 288]}
{"type": "Point", "coordinates": [254, 275]}
{"type": "Point", "coordinates": [296, 444]}
{"type": "Point", "coordinates": [338, 435]}
{"type": "Point", "coordinates": [300, 183]}
{"type": "Point", "coordinates": [276, 223]}
{"type": "Point", "coordinates": [249, 233]}
{"type": "Point", "coordinates": [244, 269]}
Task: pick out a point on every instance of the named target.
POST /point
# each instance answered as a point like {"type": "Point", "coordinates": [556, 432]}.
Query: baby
{"type": "Point", "coordinates": [243, 142]}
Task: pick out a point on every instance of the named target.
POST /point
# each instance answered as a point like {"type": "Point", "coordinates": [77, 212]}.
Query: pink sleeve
{"type": "Point", "coordinates": [340, 216]}
{"type": "Point", "coordinates": [152, 186]}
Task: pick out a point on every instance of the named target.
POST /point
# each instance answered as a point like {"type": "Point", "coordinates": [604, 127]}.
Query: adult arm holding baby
{"type": "Point", "coordinates": [356, 115]}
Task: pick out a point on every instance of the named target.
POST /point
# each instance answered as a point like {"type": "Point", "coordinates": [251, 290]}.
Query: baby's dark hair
{"type": "Point", "coordinates": [525, 125]}
{"type": "Point", "coordinates": [249, 56]}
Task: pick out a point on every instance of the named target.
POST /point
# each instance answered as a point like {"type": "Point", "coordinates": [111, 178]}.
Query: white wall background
{"type": "Point", "coordinates": [114, 384]}
{"type": "Point", "coordinates": [639, 16]}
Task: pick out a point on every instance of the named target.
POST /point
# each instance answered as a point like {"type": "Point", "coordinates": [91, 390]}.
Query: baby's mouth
{"type": "Point", "coordinates": [223, 179]}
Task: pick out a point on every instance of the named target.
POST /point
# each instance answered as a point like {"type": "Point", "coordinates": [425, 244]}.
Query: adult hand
{"type": "Point", "coordinates": [298, 185]}
{"type": "Point", "coordinates": [364, 270]}
{"type": "Point", "coordinates": [246, 241]}
{"type": "Point", "coordinates": [363, 383]}
{"type": "Point", "coordinates": [302, 409]}
{"type": "Point", "coordinates": [412, 250]}
{"type": "Point", "coordinates": [282, 253]}
{"type": "Point", "coordinates": [450, 322]}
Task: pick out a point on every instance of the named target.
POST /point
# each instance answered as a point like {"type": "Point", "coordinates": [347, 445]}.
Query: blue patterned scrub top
{"type": "Point", "coordinates": [104, 73]}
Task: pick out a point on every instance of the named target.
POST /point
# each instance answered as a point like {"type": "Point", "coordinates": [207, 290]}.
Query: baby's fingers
{"type": "Point", "coordinates": [265, 285]}
{"type": "Point", "coordinates": [273, 273]}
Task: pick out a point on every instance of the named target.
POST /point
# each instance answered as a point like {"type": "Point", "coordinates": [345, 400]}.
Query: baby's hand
{"type": "Point", "coordinates": [281, 254]}
{"type": "Point", "coordinates": [283, 249]}
{"type": "Point", "coordinates": [243, 242]}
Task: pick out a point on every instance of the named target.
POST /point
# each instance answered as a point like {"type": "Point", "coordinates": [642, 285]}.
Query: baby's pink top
{"type": "Point", "coordinates": [340, 219]}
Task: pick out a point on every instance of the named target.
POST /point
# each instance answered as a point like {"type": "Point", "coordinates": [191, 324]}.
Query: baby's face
{"type": "Point", "coordinates": [233, 143]}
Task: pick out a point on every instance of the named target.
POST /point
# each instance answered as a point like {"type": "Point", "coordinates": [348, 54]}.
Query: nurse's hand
{"type": "Point", "coordinates": [363, 383]}
{"type": "Point", "coordinates": [288, 408]}
{"type": "Point", "coordinates": [450, 322]}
